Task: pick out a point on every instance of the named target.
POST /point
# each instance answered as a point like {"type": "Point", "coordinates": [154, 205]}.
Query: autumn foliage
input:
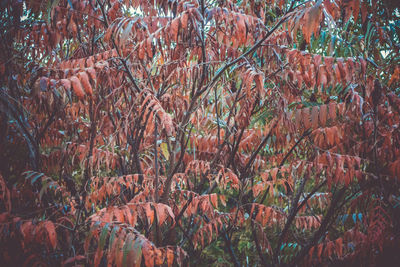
{"type": "Point", "coordinates": [199, 132]}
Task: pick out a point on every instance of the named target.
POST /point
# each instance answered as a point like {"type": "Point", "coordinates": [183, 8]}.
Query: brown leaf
{"type": "Point", "coordinates": [313, 18]}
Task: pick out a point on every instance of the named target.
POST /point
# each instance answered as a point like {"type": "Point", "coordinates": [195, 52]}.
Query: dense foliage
{"type": "Point", "coordinates": [199, 132]}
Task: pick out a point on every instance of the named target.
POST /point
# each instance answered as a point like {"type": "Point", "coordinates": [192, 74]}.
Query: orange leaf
{"type": "Point", "coordinates": [160, 213]}
{"type": "Point", "coordinates": [170, 257]}
{"type": "Point", "coordinates": [395, 76]}
{"type": "Point", "coordinates": [51, 232]}
{"type": "Point", "coordinates": [259, 79]}
{"type": "Point", "coordinates": [76, 85]}
{"type": "Point", "coordinates": [27, 231]}
{"type": "Point", "coordinates": [83, 77]}
{"type": "Point", "coordinates": [311, 252]}
{"type": "Point", "coordinates": [92, 74]}
{"type": "Point", "coordinates": [319, 251]}
{"type": "Point", "coordinates": [149, 212]}
{"type": "Point", "coordinates": [66, 83]}
{"type": "Point", "coordinates": [339, 247]}
{"type": "Point", "coordinates": [274, 172]}
{"type": "Point", "coordinates": [214, 200]}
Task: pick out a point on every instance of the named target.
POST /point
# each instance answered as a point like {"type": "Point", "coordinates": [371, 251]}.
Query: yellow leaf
{"type": "Point", "coordinates": [164, 150]}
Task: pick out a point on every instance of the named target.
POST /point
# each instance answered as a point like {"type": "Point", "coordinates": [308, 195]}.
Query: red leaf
{"type": "Point", "coordinates": [174, 28]}
{"type": "Point", "coordinates": [332, 111]}
{"type": "Point", "coordinates": [66, 83]}
{"type": "Point", "coordinates": [306, 118]}
{"type": "Point", "coordinates": [314, 117]}
{"type": "Point", "coordinates": [73, 259]}
{"type": "Point", "coordinates": [322, 115]}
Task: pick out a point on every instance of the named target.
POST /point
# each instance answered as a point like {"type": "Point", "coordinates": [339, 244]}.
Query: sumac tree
{"type": "Point", "coordinates": [161, 133]}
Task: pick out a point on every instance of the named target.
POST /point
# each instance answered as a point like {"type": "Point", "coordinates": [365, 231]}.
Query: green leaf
{"type": "Point", "coordinates": [126, 249]}
{"type": "Point", "coordinates": [37, 176]}
{"type": "Point", "coordinates": [112, 236]}
{"type": "Point", "coordinates": [50, 5]}
{"type": "Point", "coordinates": [43, 190]}
{"type": "Point", "coordinates": [103, 236]}
{"type": "Point", "coordinates": [137, 256]}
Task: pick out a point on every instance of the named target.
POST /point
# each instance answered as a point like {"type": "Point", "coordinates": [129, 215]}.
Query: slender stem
{"type": "Point", "coordinates": [228, 243]}
{"type": "Point", "coordinates": [155, 160]}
